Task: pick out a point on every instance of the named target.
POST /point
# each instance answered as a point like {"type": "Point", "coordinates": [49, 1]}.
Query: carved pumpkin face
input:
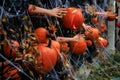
{"type": "Point", "coordinates": [78, 47]}
{"type": "Point", "coordinates": [10, 50]}
{"type": "Point", "coordinates": [93, 34]}
{"type": "Point", "coordinates": [41, 34]}
{"type": "Point", "coordinates": [47, 58]}
{"type": "Point", "coordinates": [101, 42]}
{"type": "Point", "coordinates": [73, 18]}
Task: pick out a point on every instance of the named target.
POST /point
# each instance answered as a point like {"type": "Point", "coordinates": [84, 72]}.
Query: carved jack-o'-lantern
{"type": "Point", "coordinates": [73, 18]}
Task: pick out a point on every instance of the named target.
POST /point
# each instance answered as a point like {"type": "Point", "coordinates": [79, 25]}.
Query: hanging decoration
{"type": "Point", "coordinates": [34, 53]}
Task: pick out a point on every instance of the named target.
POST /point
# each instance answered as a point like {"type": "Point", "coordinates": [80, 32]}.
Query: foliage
{"type": "Point", "coordinates": [108, 69]}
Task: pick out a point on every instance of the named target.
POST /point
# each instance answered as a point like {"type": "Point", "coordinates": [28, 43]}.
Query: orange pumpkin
{"type": "Point", "coordinates": [54, 45]}
{"type": "Point", "coordinates": [118, 0]}
{"type": "Point", "coordinates": [47, 58]}
{"type": "Point", "coordinates": [9, 50]}
{"type": "Point", "coordinates": [101, 42]}
{"type": "Point", "coordinates": [111, 18]}
{"type": "Point", "coordinates": [89, 43]}
{"type": "Point", "coordinates": [78, 47]}
{"type": "Point", "coordinates": [95, 20]}
{"type": "Point", "coordinates": [41, 34]}
{"type": "Point", "coordinates": [73, 18]}
{"type": "Point", "coordinates": [12, 72]}
{"type": "Point", "coordinates": [93, 34]}
{"type": "Point", "coordinates": [103, 27]}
